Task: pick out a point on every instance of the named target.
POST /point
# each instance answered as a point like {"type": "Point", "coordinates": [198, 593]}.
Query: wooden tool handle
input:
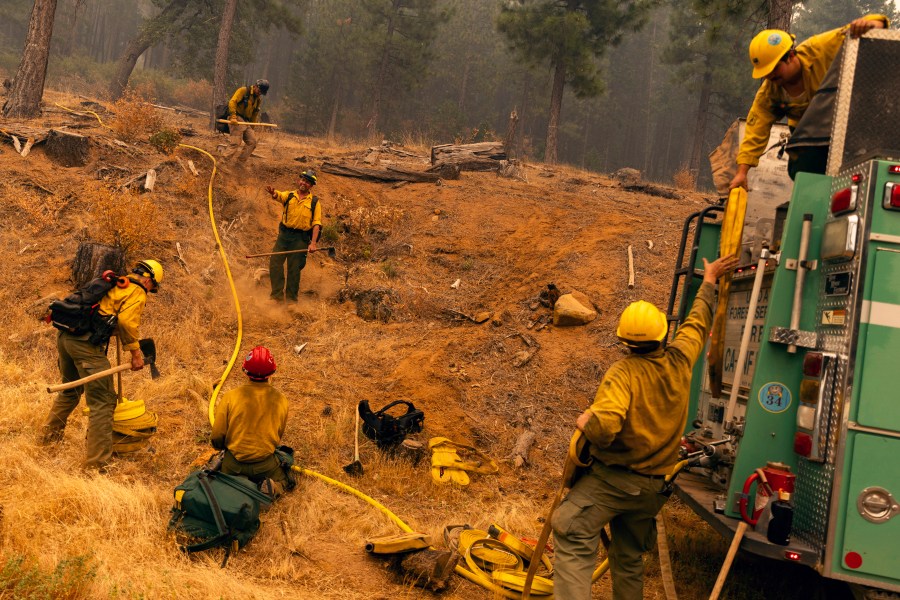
{"type": "Point", "coordinates": [227, 122]}
{"type": "Point", "coordinates": [726, 566]}
{"type": "Point", "coordinates": [72, 384]}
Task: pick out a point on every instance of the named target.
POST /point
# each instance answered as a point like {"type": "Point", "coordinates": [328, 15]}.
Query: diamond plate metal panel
{"type": "Point", "coordinates": [816, 480]}
{"type": "Point", "coordinates": [868, 100]}
{"type": "Point", "coordinates": [783, 335]}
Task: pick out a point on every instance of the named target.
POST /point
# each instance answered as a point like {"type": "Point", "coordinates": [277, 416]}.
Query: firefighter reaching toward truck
{"type": "Point", "coordinates": [791, 74]}
{"type": "Point", "coordinates": [634, 427]}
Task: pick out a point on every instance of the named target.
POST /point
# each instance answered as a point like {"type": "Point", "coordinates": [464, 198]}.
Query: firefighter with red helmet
{"type": "Point", "coordinates": [249, 423]}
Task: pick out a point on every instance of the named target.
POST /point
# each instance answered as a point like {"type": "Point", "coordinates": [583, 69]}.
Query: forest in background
{"type": "Point", "coordinates": [647, 84]}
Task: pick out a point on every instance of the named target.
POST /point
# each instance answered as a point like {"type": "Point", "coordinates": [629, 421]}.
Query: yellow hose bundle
{"type": "Point", "coordinates": [729, 245]}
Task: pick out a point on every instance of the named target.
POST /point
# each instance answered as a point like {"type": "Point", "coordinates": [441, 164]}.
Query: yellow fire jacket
{"type": "Point", "coordinates": [772, 103]}
{"type": "Point", "coordinates": [127, 304]}
{"type": "Point", "coordinates": [641, 407]}
{"type": "Point", "coordinates": [250, 421]}
{"type": "Point", "coordinates": [297, 213]}
{"type": "Point", "coordinates": [245, 104]}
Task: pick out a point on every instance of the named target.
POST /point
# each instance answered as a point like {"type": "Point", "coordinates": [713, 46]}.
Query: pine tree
{"type": "Point", "coordinates": [24, 99]}
{"type": "Point", "coordinates": [570, 37]}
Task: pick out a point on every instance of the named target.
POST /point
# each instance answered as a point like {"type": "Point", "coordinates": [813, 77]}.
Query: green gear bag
{"type": "Point", "coordinates": [215, 510]}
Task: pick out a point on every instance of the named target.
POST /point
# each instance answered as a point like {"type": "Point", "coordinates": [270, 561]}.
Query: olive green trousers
{"type": "Point", "coordinates": [79, 358]}
{"type": "Point", "coordinates": [625, 500]}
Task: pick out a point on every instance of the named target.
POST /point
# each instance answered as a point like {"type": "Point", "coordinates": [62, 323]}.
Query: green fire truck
{"type": "Point", "coordinates": [809, 409]}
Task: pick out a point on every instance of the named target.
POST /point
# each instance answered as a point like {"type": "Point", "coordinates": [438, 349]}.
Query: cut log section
{"type": "Point", "coordinates": [68, 149]}
{"type": "Point", "coordinates": [383, 175]}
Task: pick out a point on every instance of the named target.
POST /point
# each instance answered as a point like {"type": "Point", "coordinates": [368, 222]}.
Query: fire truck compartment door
{"type": "Point", "coordinates": [879, 402]}
{"type": "Point", "coordinates": [872, 526]}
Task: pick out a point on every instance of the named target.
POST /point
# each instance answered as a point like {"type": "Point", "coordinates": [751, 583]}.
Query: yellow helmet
{"type": "Point", "coordinates": [767, 48]}
{"type": "Point", "coordinates": [642, 322]}
{"type": "Point", "coordinates": [152, 269]}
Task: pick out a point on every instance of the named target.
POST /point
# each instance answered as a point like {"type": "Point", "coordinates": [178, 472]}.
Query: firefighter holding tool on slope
{"type": "Point", "coordinates": [298, 229]}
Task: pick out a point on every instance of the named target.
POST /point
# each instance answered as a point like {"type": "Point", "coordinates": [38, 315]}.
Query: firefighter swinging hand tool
{"type": "Point", "coordinates": [148, 349]}
{"type": "Point", "coordinates": [331, 252]}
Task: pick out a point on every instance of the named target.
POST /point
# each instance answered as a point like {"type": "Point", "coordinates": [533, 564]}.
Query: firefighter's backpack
{"type": "Point", "coordinates": [388, 430]}
{"type": "Point", "coordinates": [78, 313]}
{"type": "Point", "coordinates": [215, 510]}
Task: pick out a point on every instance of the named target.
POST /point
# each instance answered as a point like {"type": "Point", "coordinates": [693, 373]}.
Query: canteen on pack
{"type": "Point", "coordinates": [388, 430]}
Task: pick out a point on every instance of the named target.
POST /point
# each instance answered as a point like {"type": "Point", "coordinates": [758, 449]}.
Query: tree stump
{"type": "Point", "coordinates": [68, 149]}
{"type": "Point", "coordinates": [91, 259]}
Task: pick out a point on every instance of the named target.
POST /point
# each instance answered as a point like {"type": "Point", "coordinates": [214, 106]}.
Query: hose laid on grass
{"type": "Point", "coordinates": [211, 413]}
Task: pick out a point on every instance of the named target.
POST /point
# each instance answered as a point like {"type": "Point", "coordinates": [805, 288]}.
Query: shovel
{"type": "Point", "coordinates": [148, 349]}
{"type": "Point", "coordinates": [331, 252]}
{"type": "Point", "coordinates": [355, 469]}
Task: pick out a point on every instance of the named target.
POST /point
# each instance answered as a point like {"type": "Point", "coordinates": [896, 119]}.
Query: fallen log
{"type": "Point", "coordinates": [24, 132]}
{"type": "Point", "coordinates": [381, 175]}
{"type": "Point", "coordinates": [653, 190]}
{"type": "Point", "coordinates": [454, 153]}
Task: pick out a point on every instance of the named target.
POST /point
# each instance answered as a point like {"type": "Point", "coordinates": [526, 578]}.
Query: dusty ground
{"type": "Point", "coordinates": [503, 239]}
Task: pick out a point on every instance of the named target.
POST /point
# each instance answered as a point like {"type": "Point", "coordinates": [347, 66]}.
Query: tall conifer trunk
{"type": "Point", "coordinates": [24, 101]}
{"type": "Point", "coordinates": [221, 68]}
{"type": "Point", "coordinates": [556, 97]}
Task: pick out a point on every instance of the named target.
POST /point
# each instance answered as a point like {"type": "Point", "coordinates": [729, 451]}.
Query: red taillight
{"type": "Point", "coordinates": [841, 201]}
{"type": "Point", "coordinates": [853, 560]}
{"type": "Point", "coordinates": [812, 364]}
{"type": "Point", "coordinates": [791, 555]}
{"type": "Point", "coordinates": [856, 178]}
{"type": "Point", "coordinates": [894, 169]}
{"type": "Point", "coordinates": [802, 444]}
{"type": "Point", "coordinates": [892, 196]}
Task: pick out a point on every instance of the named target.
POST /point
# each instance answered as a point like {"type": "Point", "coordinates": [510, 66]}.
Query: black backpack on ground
{"type": "Point", "coordinates": [215, 510]}
{"type": "Point", "coordinates": [387, 430]}
{"type": "Point", "coordinates": [78, 313]}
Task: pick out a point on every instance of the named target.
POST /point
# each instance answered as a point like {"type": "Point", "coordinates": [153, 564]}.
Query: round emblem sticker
{"type": "Point", "coordinates": [774, 397]}
{"type": "Point", "coordinates": [774, 39]}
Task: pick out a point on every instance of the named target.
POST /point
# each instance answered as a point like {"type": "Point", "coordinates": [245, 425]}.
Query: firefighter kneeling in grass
{"type": "Point", "coordinates": [249, 423]}
{"type": "Point", "coordinates": [634, 427]}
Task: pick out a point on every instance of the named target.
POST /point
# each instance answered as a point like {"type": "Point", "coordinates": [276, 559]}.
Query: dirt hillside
{"type": "Point", "coordinates": [404, 246]}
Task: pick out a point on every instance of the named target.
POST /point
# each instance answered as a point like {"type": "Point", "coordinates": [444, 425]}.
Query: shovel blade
{"type": "Point", "coordinates": [332, 252]}
{"type": "Point", "coordinates": [354, 469]}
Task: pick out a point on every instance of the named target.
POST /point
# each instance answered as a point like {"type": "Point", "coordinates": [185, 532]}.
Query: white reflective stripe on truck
{"type": "Point", "coordinates": [880, 313]}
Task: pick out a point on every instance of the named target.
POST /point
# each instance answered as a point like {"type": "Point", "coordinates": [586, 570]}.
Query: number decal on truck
{"type": "Point", "coordinates": [775, 397]}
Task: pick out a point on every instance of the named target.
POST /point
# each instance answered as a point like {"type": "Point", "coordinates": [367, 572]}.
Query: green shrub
{"type": "Point", "coordinates": [165, 140]}
{"type": "Point", "coordinates": [21, 578]}
{"type": "Point", "coordinates": [330, 233]}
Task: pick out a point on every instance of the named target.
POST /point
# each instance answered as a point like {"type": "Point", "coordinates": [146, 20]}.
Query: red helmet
{"type": "Point", "coordinates": [259, 364]}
